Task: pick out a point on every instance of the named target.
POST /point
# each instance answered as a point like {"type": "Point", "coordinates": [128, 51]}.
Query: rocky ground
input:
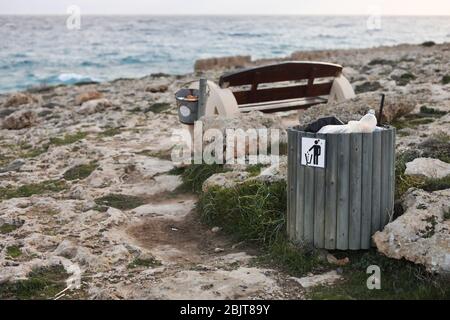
{"type": "Point", "coordinates": [86, 182]}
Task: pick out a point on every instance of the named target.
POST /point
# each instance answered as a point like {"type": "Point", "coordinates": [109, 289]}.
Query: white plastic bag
{"type": "Point", "coordinates": [367, 124]}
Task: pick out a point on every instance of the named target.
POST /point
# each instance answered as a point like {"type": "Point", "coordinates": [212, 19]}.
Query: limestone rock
{"type": "Point", "coordinates": [13, 166]}
{"type": "Point", "coordinates": [94, 106]}
{"type": "Point", "coordinates": [87, 96]}
{"type": "Point", "coordinates": [18, 99]}
{"type": "Point", "coordinates": [222, 63]}
{"type": "Point", "coordinates": [422, 233]}
{"type": "Point", "coordinates": [155, 89]}
{"type": "Point", "coordinates": [224, 180]}
{"type": "Point", "coordinates": [20, 119]}
{"type": "Point", "coordinates": [428, 167]}
{"type": "Point", "coordinates": [320, 279]}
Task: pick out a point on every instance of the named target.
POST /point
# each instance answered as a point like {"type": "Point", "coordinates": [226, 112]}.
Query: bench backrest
{"type": "Point", "coordinates": [286, 71]}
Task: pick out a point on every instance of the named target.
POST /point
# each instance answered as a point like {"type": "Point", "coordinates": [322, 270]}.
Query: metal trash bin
{"type": "Point", "coordinates": [340, 187]}
{"type": "Point", "coordinates": [187, 108]}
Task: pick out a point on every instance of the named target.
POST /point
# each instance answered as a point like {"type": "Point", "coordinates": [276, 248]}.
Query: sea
{"type": "Point", "coordinates": [43, 50]}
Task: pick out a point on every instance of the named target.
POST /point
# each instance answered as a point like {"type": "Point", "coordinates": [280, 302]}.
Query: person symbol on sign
{"type": "Point", "coordinates": [316, 152]}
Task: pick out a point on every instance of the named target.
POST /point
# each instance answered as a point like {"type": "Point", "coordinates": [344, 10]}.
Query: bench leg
{"type": "Point", "coordinates": [341, 90]}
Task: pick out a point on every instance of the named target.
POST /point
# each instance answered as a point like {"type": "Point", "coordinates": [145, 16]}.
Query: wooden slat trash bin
{"type": "Point", "coordinates": [341, 197]}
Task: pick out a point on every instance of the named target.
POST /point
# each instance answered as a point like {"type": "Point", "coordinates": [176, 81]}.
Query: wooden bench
{"type": "Point", "coordinates": [286, 86]}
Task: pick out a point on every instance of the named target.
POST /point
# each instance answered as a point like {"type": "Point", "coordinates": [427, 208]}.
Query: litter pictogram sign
{"type": "Point", "coordinates": [313, 152]}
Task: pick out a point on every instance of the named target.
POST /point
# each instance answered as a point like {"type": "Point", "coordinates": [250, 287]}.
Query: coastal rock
{"type": "Point", "coordinates": [222, 63]}
{"type": "Point", "coordinates": [155, 89]}
{"type": "Point", "coordinates": [13, 166]}
{"type": "Point", "coordinates": [20, 119]}
{"type": "Point", "coordinates": [94, 106]}
{"type": "Point", "coordinates": [422, 233]}
{"type": "Point", "coordinates": [316, 280]}
{"type": "Point", "coordinates": [224, 180]}
{"type": "Point", "coordinates": [276, 172]}
{"type": "Point", "coordinates": [87, 96]}
{"type": "Point", "coordinates": [428, 168]}
{"type": "Point", "coordinates": [18, 99]}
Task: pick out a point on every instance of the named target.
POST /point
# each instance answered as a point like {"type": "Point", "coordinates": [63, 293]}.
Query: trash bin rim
{"type": "Point", "coordinates": [298, 128]}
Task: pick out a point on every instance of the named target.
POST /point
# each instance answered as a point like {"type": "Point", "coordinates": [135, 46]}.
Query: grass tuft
{"type": "Point", "coordinates": [8, 228]}
{"type": "Point", "coordinates": [120, 201]}
{"type": "Point", "coordinates": [255, 212]}
{"type": "Point", "coordinates": [399, 280]}
{"type": "Point", "coordinates": [146, 263]}
{"type": "Point", "coordinates": [13, 251]}
{"type": "Point", "coordinates": [80, 172]}
{"type": "Point", "coordinates": [68, 139]}
{"type": "Point", "coordinates": [445, 79]}
{"type": "Point", "coordinates": [194, 175]}
{"type": "Point", "coordinates": [32, 189]}
{"type": "Point", "coordinates": [159, 107]}
{"type": "Point", "coordinates": [42, 283]}
{"type": "Point", "coordinates": [110, 132]}
{"type": "Point", "coordinates": [437, 147]}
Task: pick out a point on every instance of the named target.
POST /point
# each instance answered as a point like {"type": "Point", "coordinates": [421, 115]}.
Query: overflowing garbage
{"type": "Point", "coordinates": [367, 124]}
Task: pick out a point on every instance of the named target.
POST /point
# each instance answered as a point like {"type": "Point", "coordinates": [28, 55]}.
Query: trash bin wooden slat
{"type": "Point", "coordinates": [309, 201]}
{"type": "Point", "coordinates": [341, 205]}
{"type": "Point", "coordinates": [300, 225]}
{"type": "Point", "coordinates": [376, 183]}
{"type": "Point", "coordinates": [343, 190]}
{"type": "Point", "coordinates": [331, 192]}
{"type": "Point", "coordinates": [355, 191]}
{"type": "Point", "coordinates": [366, 196]}
{"type": "Point", "coordinates": [319, 205]}
{"type": "Point", "coordinates": [290, 186]}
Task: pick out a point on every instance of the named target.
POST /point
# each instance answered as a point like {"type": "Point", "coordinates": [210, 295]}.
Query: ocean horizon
{"type": "Point", "coordinates": [41, 50]}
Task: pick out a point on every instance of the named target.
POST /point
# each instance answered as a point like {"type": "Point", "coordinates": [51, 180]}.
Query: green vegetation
{"type": "Point", "coordinates": [120, 201]}
{"type": "Point", "coordinates": [254, 169]}
{"type": "Point", "coordinates": [413, 120]}
{"type": "Point", "coordinates": [447, 214]}
{"type": "Point", "coordinates": [31, 189]}
{"type": "Point", "coordinates": [110, 132]}
{"type": "Point", "coordinates": [399, 280]}
{"type": "Point", "coordinates": [34, 152]}
{"type": "Point", "coordinates": [158, 107]}
{"type": "Point", "coordinates": [80, 172]}
{"type": "Point", "coordinates": [382, 62]}
{"type": "Point", "coordinates": [437, 147]}
{"type": "Point", "coordinates": [428, 43]}
{"type": "Point", "coordinates": [404, 182]}
{"type": "Point", "coordinates": [432, 111]}
{"type": "Point", "coordinates": [405, 78]}
{"type": "Point", "coordinates": [42, 283]}
{"type": "Point", "coordinates": [255, 212]}
{"type": "Point", "coordinates": [445, 79]}
{"type": "Point", "coordinates": [146, 263]}
{"type": "Point", "coordinates": [194, 175]}
{"type": "Point", "coordinates": [7, 228]}
{"type": "Point", "coordinates": [13, 251]}
{"type": "Point", "coordinates": [368, 87]}
{"type": "Point", "coordinates": [161, 154]}
{"type": "Point", "coordinates": [68, 139]}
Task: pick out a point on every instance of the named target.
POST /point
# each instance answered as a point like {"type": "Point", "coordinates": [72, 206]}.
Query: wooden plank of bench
{"type": "Point", "coordinates": [286, 71]}
{"type": "Point", "coordinates": [282, 93]}
{"type": "Point", "coordinates": [275, 106]}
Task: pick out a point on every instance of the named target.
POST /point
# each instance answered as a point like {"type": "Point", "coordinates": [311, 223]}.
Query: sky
{"type": "Point", "coordinates": [318, 7]}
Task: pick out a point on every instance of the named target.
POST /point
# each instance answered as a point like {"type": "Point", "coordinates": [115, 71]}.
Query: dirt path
{"type": "Point", "coordinates": [194, 262]}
